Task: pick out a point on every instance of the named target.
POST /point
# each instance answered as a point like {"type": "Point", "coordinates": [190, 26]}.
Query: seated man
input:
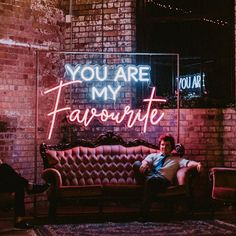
{"type": "Point", "coordinates": [158, 170]}
{"type": "Point", "coordinates": [11, 181]}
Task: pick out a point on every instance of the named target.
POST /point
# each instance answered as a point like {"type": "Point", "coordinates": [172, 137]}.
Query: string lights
{"type": "Point", "coordinates": [187, 11]}
{"type": "Point", "coordinates": [170, 7]}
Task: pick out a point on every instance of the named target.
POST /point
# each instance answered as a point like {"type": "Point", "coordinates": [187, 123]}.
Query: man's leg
{"type": "Point", "coordinates": [14, 182]}
{"type": "Point", "coordinates": [154, 184]}
{"type": "Point", "coordinates": [11, 177]}
{"type": "Point", "coordinates": [19, 202]}
{"type": "Point", "coordinates": [139, 177]}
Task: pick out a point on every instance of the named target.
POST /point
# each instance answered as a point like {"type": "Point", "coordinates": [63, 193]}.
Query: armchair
{"type": "Point", "coordinates": [223, 186]}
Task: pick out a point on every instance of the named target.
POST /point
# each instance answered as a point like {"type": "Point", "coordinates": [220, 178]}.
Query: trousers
{"type": "Point", "coordinates": [153, 184]}
{"type": "Point", "coordinates": [11, 181]}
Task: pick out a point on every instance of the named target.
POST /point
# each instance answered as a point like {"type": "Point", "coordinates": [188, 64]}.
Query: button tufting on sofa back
{"type": "Point", "coordinates": [106, 164]}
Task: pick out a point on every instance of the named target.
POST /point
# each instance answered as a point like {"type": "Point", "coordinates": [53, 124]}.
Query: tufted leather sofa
{"type": "Point", "coordinates": [101, 169]}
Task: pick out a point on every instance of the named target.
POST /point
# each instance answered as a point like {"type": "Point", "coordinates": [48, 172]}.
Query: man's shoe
{"type": "Point", "coordinates": [23, 225]}
{"type": "Point", "coordinates": [38, 188]}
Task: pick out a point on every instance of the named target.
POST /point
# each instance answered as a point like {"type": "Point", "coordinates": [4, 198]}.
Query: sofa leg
{"type": "Point", "coordinates": [145, 210]}
{"type": "Point", "coordinates": [52, 210]}
{"type": "Point", "coordinates": [100, 207]}
{"type": "Point", "coordinates": [190, 206]}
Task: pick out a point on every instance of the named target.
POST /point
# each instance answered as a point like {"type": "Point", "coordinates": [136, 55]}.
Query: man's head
{"type": "Point", "coordinates": [166, 144]}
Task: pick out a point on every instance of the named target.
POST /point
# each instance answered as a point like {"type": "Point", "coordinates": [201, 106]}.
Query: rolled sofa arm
{"type": "Point", "coordinates": [186, 174]}
{"type": "Point", "coordinates": [53, 177]}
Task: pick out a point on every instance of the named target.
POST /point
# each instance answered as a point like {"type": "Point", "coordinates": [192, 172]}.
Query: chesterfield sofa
{"type": "Point", "coordinates": [102, 170]}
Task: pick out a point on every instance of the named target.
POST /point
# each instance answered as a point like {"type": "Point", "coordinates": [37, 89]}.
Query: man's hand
{"type": "Point", "coordinates": [1, 162]}
{"type": "Point", "coordinates": [196, 164]}
{"type": "Point", "coordinates": [200, 167]}
{"type": "Point", "coordinates": [145, 166]}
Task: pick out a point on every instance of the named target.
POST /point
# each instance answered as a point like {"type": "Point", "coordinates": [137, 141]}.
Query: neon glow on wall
{"type": "Point", "coordinates": [84, 73]}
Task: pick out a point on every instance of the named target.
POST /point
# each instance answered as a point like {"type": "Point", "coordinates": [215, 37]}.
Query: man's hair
{"type": "Point", "coordinates": [167, 138]}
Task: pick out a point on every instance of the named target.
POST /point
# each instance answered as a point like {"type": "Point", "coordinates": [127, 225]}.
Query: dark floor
{"type": "Point", "coordinates": [79, 214]}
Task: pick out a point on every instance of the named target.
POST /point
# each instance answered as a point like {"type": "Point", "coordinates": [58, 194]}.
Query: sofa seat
{"type": "Point", "coordinates": [80, 191]}
{"type": "Point", "coordinates": [173, 191]}
{"type": "Point", "coordinates": [223, 193]}
{"type": "Point", "coordinates": [123, 191]}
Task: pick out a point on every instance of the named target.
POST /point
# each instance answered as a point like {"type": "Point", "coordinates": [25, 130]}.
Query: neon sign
{"type": "Point", "coordinates": [80, 74]}
{"type": "Point", "coordinates": [104, 92]}
{"type": "Point", "coordinates": [101, 73]}
{"type": "Point", "coordinates": [193, 83]}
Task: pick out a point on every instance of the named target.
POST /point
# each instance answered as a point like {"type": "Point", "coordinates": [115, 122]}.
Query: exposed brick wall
{"type": "Point", "coordinates": [209, 135]}
{"type": "Point", "coordinates": [101, 26]}
{"type": "Point", "coordinates": [25, 27]}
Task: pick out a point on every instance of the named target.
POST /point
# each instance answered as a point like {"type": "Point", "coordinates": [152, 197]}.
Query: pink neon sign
{"type": "Point", "coordinates": [132, 116]}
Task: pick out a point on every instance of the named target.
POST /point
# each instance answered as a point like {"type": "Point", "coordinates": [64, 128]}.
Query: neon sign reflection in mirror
{"type": "Point", "coordinates": [192, 83]}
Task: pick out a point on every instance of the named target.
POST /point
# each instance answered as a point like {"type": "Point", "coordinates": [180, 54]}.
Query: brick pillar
{"type": "Point", "coordinates": [26, 26]}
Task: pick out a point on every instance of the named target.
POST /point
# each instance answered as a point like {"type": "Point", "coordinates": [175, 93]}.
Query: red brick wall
{"type": "Point", "coordinates": [102, 26]}
{"type": "Point", "coordinates": [25, 27]}
{"type": "Point", "coordinates": [209, 135]}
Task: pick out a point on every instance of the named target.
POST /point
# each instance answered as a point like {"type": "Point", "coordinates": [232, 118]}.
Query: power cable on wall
{"type": "Point", "coordinates": [71, 49]}
{"type": "Point", "coordinates": [103, 30]}
{"type": "Point", "coordinates": [69, 21]}
{"type": "Point", "coordinates": [71, 25]}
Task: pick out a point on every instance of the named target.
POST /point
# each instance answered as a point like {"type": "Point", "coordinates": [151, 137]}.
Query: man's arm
{"type": "Point", "coordinates": [1, 161]}
{"type": "Point", "coordinates": [145, 166]}
{"type": "Point", "coordinates": [196, 164]}
{"type": "Point", "coordinates": [146, 163]}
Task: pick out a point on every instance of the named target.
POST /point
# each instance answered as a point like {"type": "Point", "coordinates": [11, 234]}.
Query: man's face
{"type": "Point", "coordinates": [165, 147]}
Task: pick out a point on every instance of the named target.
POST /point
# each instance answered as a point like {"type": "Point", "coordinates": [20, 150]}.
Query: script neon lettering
{"type": "Point", "coordinates": [104, 115]}
{"type": "Point", "coordinates": [55, 110]}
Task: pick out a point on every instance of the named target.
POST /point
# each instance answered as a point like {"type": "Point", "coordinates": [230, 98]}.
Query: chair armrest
{"type": "Point", "coordinates": [223, 184]}
{"type": "Point", "coordinates": [223, 177]}
{"type": "Point", "coordinates": [186, 174]}
{"type": "Point", "coordinates": [53, 177]}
